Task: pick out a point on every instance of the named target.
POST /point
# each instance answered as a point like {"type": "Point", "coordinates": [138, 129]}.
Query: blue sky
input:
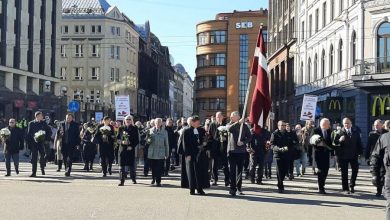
{"type": "Point", "coordinates": [174, 22]}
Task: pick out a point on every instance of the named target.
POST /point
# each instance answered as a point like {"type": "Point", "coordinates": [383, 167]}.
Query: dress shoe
{"type": "Point", "coordinates": [352, 189]}
{"type": "Point", "coordinates": [232, 193]}
{"type": "Point", "coordinates": [280, 190]}
{"type": "Point", "coordinates": [43, 172]}
{"type": "Point", "coordinates": [253, 181]}
{"type": "Point", "coordinates": [378, 195]}
{"type": "Point", "coordinates": [259, 182]}
{"type": "Point", "coordinates": [33, 175]}
{"type": "Point", "coordinates": [104, 174]}
{"type": "Point", "coordinates": [214, 183]}
{"type": "Point", "coordinates": [7, 174]}
{"type": "Point", "coordinates": [322, 191]}
{"type": "Point", "coordinates": [192, 192]}
{"type": "Point", "coordinates": [153, 182]}
{"type": "Point", "coordinates": [67, 174]}
{"type": "Point", "coordinates": [134, 182]}
{"type": "Point", "coordinates": [158, 185]}
{"type": "Point", "coordinates": [17, 172]}
{"type": "Point", "coordinates": [121, 184]}
{"type": "Point", "coordinates": [240, 192]}
{"type": "Point", "coordinates": [227, 184]}
{"type": "Point", "coordinates": [346, 192]}
{"type": "Point", "coordinates": [58, 170]}
{"type": "Point", "coordinates": [201, 192]}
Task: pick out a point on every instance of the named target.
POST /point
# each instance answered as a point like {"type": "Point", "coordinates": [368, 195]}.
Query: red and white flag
{"type": "Point", "coordinates": [261, 99]}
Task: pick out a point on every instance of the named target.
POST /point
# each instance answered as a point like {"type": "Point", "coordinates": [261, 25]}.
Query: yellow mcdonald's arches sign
{"type": "Point", "coordinates": [334, 104]}
{"type": "Point", "coordinates": [384, 103]}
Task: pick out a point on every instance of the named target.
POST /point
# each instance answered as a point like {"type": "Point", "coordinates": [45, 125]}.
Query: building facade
{"type": "Point", "coordinates": [28, 58]}
{"type": "Point", "coordinates": [99, 56]}
{"type": "Point", "coordinates": [188, 96]}
{"type": "Point", "coordinates": [281, 56]}
{"type": "Point", "coordinates": [179, 90]}
{"type": "Point", "coordinates": [224, 54]}
{"type": "Point", "coordinates": [155, 73]}
{"type": "Point", "coordinates": [342, 48]}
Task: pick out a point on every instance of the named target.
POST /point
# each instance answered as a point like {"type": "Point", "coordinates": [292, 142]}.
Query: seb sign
{"type": "Point", "coordinates": [244, 25]}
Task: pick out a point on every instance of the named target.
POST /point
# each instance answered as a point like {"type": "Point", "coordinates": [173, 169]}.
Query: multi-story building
{"type": "Point", "coordinates": [224, 53]}
{"type": "Point", "coordinates": [179, 89]}
{"type": "Point", "coordinates": [281, 55]}
{"type": "Point", "coordinates": [155, 72]}
{"type": "Point", "coordinates": [99, 56]}
{"type": "Point", "coordinates": [343, 59]}
{"type": "Point", "coordinates": [188, 96]}
{"type": "Point", "coordinates": [28, 58]}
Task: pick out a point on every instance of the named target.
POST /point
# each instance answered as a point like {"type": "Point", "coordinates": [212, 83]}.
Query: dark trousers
{"type": "Point", "coordinates": [146, 162]}
{"type": "Point", "coordinates": [256, 160]}
{"type": "Point", "coordinates": [310, 154]}
{"type": "Point", "coordinates": [127, 163]}
{"type": "Point", "coordinates": [281, 171]}
{"type": "Point", "coordinates": [236, 161]}
{"type": "Point", "coordinates": [192, 169]}
{"type": "Point", "coordinates": [68, 155]}
{"type": "Point", "coordinates": [35, 149]}
{"type": "Point", "coordinates": [267, 169]}
{"type": "Point", "coordinates": [167, 164]}
{"type": "Point", "coordinates": [15, 158]}
{"type": "Point", "coordinates": [106, 162]}
{"type": "Point", "coordinates": [291, 167]}
{"type": "Point", "coordinates": [344, 172]}
{"type": "Point", "coordinates": [157, 169]}
{"type": "Point", "coordinates": [322, 160]}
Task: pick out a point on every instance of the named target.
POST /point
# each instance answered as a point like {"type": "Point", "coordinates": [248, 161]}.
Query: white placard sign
{"type": "Point", "coordinates": [122, 107]}
{"type": "Point", "coordinates": [309, 106]}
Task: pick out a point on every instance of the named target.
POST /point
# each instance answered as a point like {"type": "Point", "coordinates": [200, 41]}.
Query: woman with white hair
{"type": "Point", "coordinates": [158, 150]}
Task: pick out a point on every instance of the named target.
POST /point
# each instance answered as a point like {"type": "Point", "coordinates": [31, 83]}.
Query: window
{"type": "Point", "coordinates": [316, 21]}
{"type": "Point", "coordinates": [213, 104]}
{"type": "Point", "coordinates": [300, 77]}
{"type": "Point", "coordinates": [331, 60]}
{"type": "Point", "coordinates": [79, 50]}
{"type": "Point", "coordinates": [353, 48]}
{"type": "Point", "coordinates": [78, 94]}
{"type": "Point", "coordinates": [218, 37]}
{"type": "Point", "coordinates": [65, 29]}
{"type": "Point", "coordinates": [112, 51]}
{"type": "Point", "coordinates": [201, 83]}
{"type": "Point", "coordinates": [315, 72]}
{"type": "Point", "coordinates": [202, 60]}
{"type": "Point", "coordinates": [202, 38]}
{"type": "Point", "coordinates": [92, 96]}
{"type": "Point", "coordinates": [95, 50]}
{"type": "Point", "coordinates": [63, 73]}
{"type": "Point", "coordinates": [112, 76]}
{"type": "Point", "coordinates": [201, 104]}
{"type": "Point", "coordinates": [323, 64]}
{"type": "Point", "coordinates": [95, 73]}
{"type": "Point", "coordinates": [113, 30]}
{"type": "Point", "coordinates": [76, 29]}
{"type": "Point", "coordinates": [78, 73]}
{"type": "Point", "coordinates": [99, 29]}
{"type": "Point", "coordinates": [341, 6]}
{"type": "Point", "coordinates": [332, 9]}
{"type": "Point", "coordinates": [303, 31]}
{"type": "Point", "coordinates": [82, 29]}
{"type": "Point", "coordinates": [324, 15]}
{"type": "Point", "coordinates": [310, 24]}
{"type": "Point", "coordinates": [117, 77]}
{"type": "Point", "coordinates": [308, 71]}
{"type": "Point", "coordinates": [217, 59]}
{"type": "Point", "coordinates": [340, 55]}
{"type": "Point", "coordinates": [63, 50]}
{"type": "Point", "coordinates": [220, 81]}
{"type": "Point", "coordinates": [118, 31]}
{"type": "Point", "coordinates": [118, 50]}
{"type": "Point", "coordinates": [93, 29]}
{"type": "Point", "coordinates": [383, 45]}
{"type": "Point", "coordinates": [243, 71]}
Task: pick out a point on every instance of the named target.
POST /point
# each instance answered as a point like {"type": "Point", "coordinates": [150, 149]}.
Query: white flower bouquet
{"type": "Point", "coordinates": [106, 131]}
{"type": "Point", "coordinates": [318, 141]}
{"type": "Point", "coordinates": [40, 136]}
{"type": "Point", "coordinates": [91, 129]}
{"type": "Point", "coordinates": [223, 133]}
{"type": "Point", "coordinates": [4, 134]}
{"type": "Point", "coordinates": [125, 138]}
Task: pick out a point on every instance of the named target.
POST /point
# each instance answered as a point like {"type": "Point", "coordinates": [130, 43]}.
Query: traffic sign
{"type": "Point", "coordinates": [74, 106]}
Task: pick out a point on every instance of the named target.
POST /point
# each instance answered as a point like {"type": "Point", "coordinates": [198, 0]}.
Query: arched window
{"type": "Point", "coordinates": [353, 42]}
{"type": "Point", "coordinates": [323, 64]}
{"type": "Point", "coordinates": [383, 44]}
{"type": "Point", "coordinates": [308, 71]}
{"type": "Point", "coordinates": [331, 60]}
{"type": "Point", "coordinates": [340, 55]}
{"type": "Point", "coordinates": [315, 70]}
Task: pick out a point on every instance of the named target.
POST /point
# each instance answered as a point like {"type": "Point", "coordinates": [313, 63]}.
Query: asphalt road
{"type": "Point", "coordinates": [89, 196]}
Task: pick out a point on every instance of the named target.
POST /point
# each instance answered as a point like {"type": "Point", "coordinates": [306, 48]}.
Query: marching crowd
{"type": "Point", "coordinates": [200, 150]}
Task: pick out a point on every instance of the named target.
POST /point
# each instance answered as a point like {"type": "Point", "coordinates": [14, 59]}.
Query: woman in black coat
{"type": "Point", "coordinates": [89, 148]}
{"type": "Point", "coordinates": [128, 139]}
{"type": "Point", "coordinates": [105, 142]}
{"type": "Point", "coordinates": [195, 146]}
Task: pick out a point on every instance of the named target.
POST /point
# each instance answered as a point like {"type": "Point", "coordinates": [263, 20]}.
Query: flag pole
{"type": "Point", "coordinates": [245, 105]}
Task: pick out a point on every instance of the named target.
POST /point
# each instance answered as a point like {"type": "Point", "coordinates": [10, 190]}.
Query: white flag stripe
{"type": "Point", "coordinates": [263, 62]}
{"type": "Point", "coordinates": [261, 119]}
{"type": "Point", "coordinates": [257, 52]}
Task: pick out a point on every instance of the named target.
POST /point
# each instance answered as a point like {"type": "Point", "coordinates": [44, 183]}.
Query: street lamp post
{"type": "Point", "coordinates": [86, 108]}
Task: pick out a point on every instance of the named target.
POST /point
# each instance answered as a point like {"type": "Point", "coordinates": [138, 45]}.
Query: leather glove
{"type": "Point", "coordinates": [374, 180]}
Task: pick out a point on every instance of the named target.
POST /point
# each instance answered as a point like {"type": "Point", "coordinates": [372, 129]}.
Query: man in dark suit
{"type": "Point", "coordinates": [70, 140]}
{"type": "Point", "coordinates": [12, 146]}
{"type": "Point", "coordinates": [349, 149]}
{"type": "Point", "coordinates": [322, 152]}
{"type": "Point", "coordinates": [37, 147]}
